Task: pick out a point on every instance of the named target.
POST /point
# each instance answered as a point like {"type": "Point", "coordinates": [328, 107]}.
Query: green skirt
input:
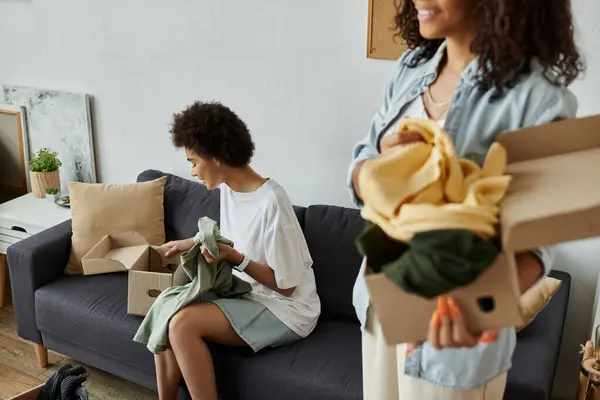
{"type": "Point", "coordinates": [255, 324]}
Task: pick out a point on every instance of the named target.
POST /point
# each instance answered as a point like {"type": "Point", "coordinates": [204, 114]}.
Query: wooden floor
{"type": "Point", "coordinates": [19, 370]}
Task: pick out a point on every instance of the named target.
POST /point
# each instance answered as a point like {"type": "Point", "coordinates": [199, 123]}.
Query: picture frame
{"type": "Point", "coordinates": [382, 42]}
{"type": "Point", "coordinates": [62, 121]}
{"type": "Point", "coordinates": [20, 114]}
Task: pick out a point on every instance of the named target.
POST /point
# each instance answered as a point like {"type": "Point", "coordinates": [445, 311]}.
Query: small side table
{"type": "Point", "coordinates": [21, 218]}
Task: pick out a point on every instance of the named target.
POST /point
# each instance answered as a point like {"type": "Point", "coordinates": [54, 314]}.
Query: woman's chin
{"type": "Point", "coordinates": [430, 33]}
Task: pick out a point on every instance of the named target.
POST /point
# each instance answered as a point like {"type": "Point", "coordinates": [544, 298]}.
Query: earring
{"type": "Point", "coordinates": [218, 163]}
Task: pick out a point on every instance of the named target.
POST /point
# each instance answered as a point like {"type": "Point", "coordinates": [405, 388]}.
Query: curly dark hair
{"type": "Point", "coordinates": [509, 34]}
{"type": "Point", "coordinates": [212, 130]}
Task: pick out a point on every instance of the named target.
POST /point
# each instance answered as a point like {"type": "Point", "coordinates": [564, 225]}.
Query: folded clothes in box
{"type": "Point", "coordinates": [553, 197]}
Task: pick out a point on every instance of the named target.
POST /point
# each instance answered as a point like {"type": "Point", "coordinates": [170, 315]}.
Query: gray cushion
{"type": "Point", "coordinates": [330, 233]}
{"type": "Point", "coordinates": [326, 366]}
{"type": "Point", "coordinates": [92, 311]}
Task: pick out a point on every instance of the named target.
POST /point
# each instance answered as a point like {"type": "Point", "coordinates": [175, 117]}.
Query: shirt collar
{"type": "Point", "coordinates": [431, 68]}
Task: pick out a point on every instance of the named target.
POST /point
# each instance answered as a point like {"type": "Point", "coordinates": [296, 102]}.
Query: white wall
{"type": "Point", "coordinates": [294, 70]}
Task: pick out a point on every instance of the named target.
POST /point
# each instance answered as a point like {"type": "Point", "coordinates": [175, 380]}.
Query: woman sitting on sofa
{"type": "Point", "coordinates": [270, 252]}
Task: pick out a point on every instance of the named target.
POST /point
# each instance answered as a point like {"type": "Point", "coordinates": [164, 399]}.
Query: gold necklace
{"type": "Point", "coordinates": [433, 102]}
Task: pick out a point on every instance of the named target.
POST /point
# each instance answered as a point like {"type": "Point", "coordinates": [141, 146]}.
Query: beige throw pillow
{"type": "Point", "coordinates": [99, 210]}
{"type": "Point", "coordinates": [536, 298]}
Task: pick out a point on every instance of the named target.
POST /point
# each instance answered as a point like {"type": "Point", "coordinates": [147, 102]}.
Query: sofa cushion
{"type": "Point", "coordinates": [330, 233]}
{"type": "Point", "coordinates": [536, 298]}
{"type": "Point", "coordinates": [327, 365]}
{"type": "Point", "coordinates": [92, 312]}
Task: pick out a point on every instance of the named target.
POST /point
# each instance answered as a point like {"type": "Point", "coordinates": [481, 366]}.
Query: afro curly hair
{"type": "Point", "coordinates": [212, 130]}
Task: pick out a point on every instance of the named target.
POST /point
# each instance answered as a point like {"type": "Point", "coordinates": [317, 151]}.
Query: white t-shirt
{"type": "Point", "coordinates": [416, 109]}
{"type": "Point", "coordinates": [264, 227]}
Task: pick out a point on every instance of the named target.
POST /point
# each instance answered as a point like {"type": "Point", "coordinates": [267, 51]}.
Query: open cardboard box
{"type": "Point", "coordinates": [554, 197]}
{"type": "Point", "coordinates": [147, 266]}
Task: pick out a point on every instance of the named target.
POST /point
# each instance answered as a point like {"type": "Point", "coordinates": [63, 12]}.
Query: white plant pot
{"type": "Point", "coordinates": [51, 197]}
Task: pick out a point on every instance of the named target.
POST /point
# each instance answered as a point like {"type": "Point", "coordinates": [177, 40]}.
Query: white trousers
{"type": "Point", "coordinates": [384, 378]}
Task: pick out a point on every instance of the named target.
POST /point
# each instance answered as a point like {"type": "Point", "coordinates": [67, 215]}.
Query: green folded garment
{"type": "Point", "coordinates": [433, 263]}
{"type": "Point", "coordinates": [216, 277]}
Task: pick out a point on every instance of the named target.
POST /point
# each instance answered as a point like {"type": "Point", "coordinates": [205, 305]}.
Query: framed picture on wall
{"type": "Point", "coordinates": [381, 40]}
{"type": "Point", "coordinates": [14, 150]}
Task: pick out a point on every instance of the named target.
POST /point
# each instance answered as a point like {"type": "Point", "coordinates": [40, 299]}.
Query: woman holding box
{"type": "Point", "coordinates": [477, 68]}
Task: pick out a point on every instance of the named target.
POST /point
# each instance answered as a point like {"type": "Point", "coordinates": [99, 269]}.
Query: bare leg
{"type": "Point", "coordinates": [168, 375]}
{"type": "Point", "coordinates": [188, 331]}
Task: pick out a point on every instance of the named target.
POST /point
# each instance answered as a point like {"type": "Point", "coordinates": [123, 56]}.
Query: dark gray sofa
{"type": "Point", "coordinates": [85, 317]}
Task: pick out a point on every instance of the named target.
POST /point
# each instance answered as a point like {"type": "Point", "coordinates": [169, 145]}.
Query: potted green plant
{"type": "Point", "coordinates": [44, 172]}
{"type": "Point", "coordinates": [51, 194]}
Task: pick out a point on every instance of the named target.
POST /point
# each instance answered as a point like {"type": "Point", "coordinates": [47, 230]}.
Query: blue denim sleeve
{"type": "Point", "coordinates": [368, 147]}
{"type": "Point", "coordinates": [561, 105]}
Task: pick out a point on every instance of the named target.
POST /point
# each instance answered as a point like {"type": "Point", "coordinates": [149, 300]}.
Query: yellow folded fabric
{"type": "Point", "coordinates": [424, 186]}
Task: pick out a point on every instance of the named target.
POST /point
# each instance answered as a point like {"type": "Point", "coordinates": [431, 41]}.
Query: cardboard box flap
{"type": "Point", "coordinates": [554, 196]}
{"type": "Point", "coordinates": [127, 239]}
{"type": "Point", "coordinates": [552, 200]}
{"type": "Point", "coordinates": [547, 140]}
{"type": "Point", "coordinates": [114, 253]}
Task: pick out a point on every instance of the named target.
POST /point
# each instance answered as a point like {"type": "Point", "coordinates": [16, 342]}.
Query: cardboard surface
{"type": "Point", "coordinates": [147, 266]}
{"type": "Point", "coordinates": [145, 285]}
{"type": "Point", "coordinates": [30, 394]}
{"type": "Point", "coordinates": [123, 252]}
{"type": "Point", "coordinates": [554, 197]}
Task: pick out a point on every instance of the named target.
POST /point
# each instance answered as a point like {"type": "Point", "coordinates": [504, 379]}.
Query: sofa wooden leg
{"type": "Point", "coordinates": [42, 355]}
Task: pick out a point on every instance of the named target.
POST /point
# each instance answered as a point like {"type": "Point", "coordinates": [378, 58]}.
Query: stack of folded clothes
{"type": "Point", "coordinates": [432, 216]}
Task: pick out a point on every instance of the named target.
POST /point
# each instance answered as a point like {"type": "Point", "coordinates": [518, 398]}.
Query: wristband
{"type": "Point", "coordinates": [244, 264]}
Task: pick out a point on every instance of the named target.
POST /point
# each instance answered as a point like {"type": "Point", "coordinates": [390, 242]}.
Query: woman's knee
{"type": "Point", "coordinates": [185, 324]}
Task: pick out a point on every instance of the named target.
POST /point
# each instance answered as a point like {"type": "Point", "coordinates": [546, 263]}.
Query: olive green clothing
{"type": "Point", "coordinates": [432, 263]}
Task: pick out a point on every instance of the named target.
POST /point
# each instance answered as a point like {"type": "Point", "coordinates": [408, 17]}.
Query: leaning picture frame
{"type": "Point", "coordinates": [20, 115]}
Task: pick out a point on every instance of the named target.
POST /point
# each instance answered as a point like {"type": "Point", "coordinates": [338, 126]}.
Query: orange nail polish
{"type": "Point", "coordinates": [454, 311]}
{"type": "Point", "coordinates": [443, 307]}
{"type": "Point", "coordinates": [436, 321]}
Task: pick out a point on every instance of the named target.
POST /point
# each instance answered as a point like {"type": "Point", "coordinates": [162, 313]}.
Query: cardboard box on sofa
{"type": "Point", "coordinates": [147, 266]}
{"type": "Point", "coordinates": [554, 197]}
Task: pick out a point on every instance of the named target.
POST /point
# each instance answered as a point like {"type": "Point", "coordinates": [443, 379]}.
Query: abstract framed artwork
{"type": "Point", "coordinates": [60, 121]}
{"type": "Point", "coordinates": [14, 150]}
{"type": "Point", "coordinates": [381, 40]}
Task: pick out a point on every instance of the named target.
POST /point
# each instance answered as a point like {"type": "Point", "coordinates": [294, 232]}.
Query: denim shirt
{"type": "Point", "coordinates": [473, 122]}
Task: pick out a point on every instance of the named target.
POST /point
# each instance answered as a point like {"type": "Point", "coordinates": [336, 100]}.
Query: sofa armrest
{"type": "Point", "coordinates": [35, 262]}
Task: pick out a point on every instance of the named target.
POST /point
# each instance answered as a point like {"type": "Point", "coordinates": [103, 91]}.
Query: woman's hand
{"type": "Point", "coordinates": [392, 141]}
{"type": "Point", "coordinates": [178, 246]}
{"type": "Point", "coordinates": [388, 143]}
{"type": "Point", "coordinates": [448, 329]}
{"type": "Point", "coordinates": [226, 253]}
